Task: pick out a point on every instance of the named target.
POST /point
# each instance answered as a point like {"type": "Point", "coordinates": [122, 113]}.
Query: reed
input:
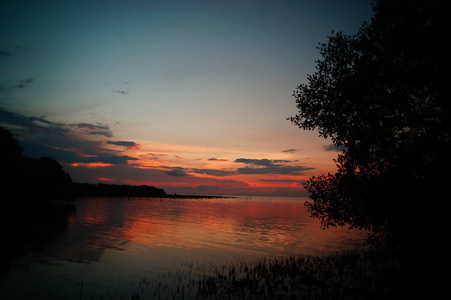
{"type": "Point", "coordinates": [350, 275]}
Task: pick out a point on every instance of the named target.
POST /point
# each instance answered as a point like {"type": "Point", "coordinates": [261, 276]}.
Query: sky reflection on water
{"type": "Point", "coordinates": [112, 241]}
{"type": "Point", "coordinates": [217, 227]}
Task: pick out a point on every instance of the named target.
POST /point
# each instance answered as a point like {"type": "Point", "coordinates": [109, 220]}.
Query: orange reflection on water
{"type": "Point", "coordinates": [217, 227]}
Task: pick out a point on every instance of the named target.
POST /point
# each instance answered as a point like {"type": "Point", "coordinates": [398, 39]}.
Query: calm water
{"type": "Point", "coordinates": [110, 243]}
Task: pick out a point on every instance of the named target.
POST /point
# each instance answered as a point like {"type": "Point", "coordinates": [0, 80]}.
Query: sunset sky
{"type": "Point", "coordinates": [188, 96]}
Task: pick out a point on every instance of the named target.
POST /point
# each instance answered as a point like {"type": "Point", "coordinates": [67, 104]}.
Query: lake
{"type": "Point", "coordinates": [111, 244]}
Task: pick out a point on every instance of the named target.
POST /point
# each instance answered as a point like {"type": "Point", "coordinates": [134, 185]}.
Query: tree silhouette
{"type": "Point", "coordinates": [53, 181]}
{"type": "Point", "coordinates": [26, 216]}
{"type": "Point", "coordinates": [29, 180]}
{"type": "Point", "coordinates": [382, 94]}
{"type": "Point", "coordinates": [9, 146]}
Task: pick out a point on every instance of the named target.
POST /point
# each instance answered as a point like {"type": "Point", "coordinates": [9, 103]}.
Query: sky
{"type": "Point", "coordinates": [189, 96]}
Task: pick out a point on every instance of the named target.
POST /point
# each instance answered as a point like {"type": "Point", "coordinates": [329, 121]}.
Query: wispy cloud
{"type": "Point", "coordinates": [260, 162]}
{"type": "Point", "coordinates": [213, 172]}
{"type": "Point", "coordinates": [266, 166]}
{"type": "Point", "coordinates": [217, 159]}
{"type": "Point", "coordinates": [91, 129]}
{"type": "Point", "coordinates": [5, 53]}
{"type": "Point", "coordinates": [122, 92]}
{"type": "Point", "coordinates": [21, 84]}
{"type": "Point", "coordinates": [177, 172]}
{"type": "Point", "coordinates": [24, 83]}
{"type": "Point", "coordinates": [40, 124]}
{"type": "Point", "coordinates": [283, 180]}
{"type": "Point", "coordinates": [290, 151]}
{"type": "Point", "coordinates": [67, 143]}
{"type": "Point", "coordinates": [283, 170]}
{"type": "Point", "coordinates": [128, 145]}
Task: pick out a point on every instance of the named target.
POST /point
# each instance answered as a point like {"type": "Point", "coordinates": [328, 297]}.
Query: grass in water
{"type": "Point", "coordinates": [351, 275]}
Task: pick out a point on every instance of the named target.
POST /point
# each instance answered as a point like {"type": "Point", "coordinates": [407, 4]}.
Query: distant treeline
{"type": "Point", "coordinates": [116, 190]}
{"type": "Point", "coordinates": [101, 189]}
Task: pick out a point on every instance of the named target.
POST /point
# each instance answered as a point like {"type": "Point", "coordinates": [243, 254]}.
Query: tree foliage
{"type": "Point", "coordinates": [9, 146]}
{"type": "Point", "coordinates": [383, 95]}
{"type": "Point", "coordinates": [28, 180]}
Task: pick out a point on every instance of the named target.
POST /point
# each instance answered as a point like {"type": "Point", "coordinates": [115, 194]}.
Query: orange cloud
{"type": "Point", "coordinates": [134, 147]}
{"type": "Point", "coordinates": [91, 165]}
{"type": "Point", "coordinates": [106, 179]}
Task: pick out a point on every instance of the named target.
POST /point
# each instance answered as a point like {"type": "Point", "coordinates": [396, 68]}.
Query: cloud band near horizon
{"type": "Point", "coordinates": [89, 153]}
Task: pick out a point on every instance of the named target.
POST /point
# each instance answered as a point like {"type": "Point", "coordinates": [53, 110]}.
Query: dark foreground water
{"type": "Point", "coordinates": [110, 245]}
